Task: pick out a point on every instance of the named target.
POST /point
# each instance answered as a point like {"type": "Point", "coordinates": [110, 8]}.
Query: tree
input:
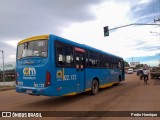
{"type": "Point", "coordinates": [139, 66]}
{"type": "Point", "coordinates": [126, 64]}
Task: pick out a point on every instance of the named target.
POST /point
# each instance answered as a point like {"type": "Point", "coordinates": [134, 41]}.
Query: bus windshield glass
{"type": "Point", "coordinates": [35, 48]}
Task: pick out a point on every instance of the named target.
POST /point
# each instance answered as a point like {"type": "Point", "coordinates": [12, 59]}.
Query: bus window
{"type": "Point", "coordinates": [106, 61]}
{"type": "Point", "coordinates": [101, 61]}
{"type": "Point", "coordinates": [33, 48]}
{"type": "Point", "coordinates": [64, 55]}
{"type": "Point", "coordinates": [93, 59]}
{"type": "Point", "coordinates": [80, 63]}
{"type": "Point", "coordinates": [88, 61]}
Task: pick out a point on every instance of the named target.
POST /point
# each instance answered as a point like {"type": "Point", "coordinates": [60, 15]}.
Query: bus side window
{"type": "Point", "coordinates": [119, 63]}
{"type": "Point", "coordinates": [93, 59]}
{"type": "Point", "coordinates": [64, 55]}
{"type": "Point", "coordinates": [77, 62]}
{"type": "Point", "coordinates": [89, 63]}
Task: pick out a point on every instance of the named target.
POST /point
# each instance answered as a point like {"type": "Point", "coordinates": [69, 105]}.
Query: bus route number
{"type": "Point", "coordinates": [70, 77]}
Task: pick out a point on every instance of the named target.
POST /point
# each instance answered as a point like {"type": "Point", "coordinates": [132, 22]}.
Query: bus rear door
{"type": "Point", "coordinates": [80, 70]}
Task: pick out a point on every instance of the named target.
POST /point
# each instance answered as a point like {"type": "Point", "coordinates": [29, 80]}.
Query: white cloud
{"type": "Point", "coordinates": [144, 1]}
{"type": "Point", "coordinates": [12, 42]}
{"type": "Point", "coordinates": [11, 58]}
{"type": "Point", "coordinates": [91, 33]}
{"type": "Point", "coordinates": [122, 42]}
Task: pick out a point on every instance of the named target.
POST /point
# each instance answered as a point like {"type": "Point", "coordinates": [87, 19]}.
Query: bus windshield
{"type": "Point", "coordinates": [35, 48]}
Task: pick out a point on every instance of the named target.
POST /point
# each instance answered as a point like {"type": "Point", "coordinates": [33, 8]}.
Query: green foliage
{"type": "Point", "coordinates": [139, 66]}
{"type": "Point", "coordinates": [8, 79]}
{"type": "Point", "coordinates": [126, 64]}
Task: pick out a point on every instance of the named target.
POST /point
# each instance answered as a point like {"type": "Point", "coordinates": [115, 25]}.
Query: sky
{"type": "Point", "coordinates": [82, 21]}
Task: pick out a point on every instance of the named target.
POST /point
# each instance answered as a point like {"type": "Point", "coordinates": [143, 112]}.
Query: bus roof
{"type": "Point", "coordinates": [34, 38]}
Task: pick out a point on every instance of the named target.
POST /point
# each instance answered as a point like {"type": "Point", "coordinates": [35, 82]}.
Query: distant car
{"type": "Point", "coordinates": [130, 71]}
{"type": "Point", "coordinates": [140, 71]}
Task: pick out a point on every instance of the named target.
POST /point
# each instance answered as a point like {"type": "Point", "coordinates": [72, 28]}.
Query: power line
{"type": "Point", "coordinates": [131, 25]}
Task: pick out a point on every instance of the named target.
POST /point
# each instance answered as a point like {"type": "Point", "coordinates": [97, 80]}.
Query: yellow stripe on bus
{"type": "Point", "coordinates": [108, 85]}
{"type": "Point", "coordinates": [87, 89]}
{"type": "Point", "coordinates": [70, 94]}
{"type": "Point", "coordinates": [45, 37]}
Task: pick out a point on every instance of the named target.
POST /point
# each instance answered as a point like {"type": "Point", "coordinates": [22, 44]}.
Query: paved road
{"type": "Point", "coordinates": [130, 95]}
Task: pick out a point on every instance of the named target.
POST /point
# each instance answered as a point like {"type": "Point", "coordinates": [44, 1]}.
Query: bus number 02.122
{"type": "Point", "coordinates": [70, 77]}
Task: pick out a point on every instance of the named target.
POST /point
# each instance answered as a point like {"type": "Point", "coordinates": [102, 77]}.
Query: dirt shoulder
{"type": "Point", "coordinates": [2, 88]}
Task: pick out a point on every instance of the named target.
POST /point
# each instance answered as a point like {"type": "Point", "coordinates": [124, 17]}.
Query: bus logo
{"type": "Point", "coordinates": [29, 71]}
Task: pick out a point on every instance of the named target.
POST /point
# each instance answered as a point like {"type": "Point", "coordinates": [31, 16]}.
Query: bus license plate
{"type": "Point", "coordinates": [29, 91]}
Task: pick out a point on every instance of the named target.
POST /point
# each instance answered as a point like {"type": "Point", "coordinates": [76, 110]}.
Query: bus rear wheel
{"type": "Point", "coordinates": [95, 87]}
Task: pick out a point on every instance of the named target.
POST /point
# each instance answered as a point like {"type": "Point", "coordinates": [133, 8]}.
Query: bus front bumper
{"type": "Point", "coordinates": [35, 91]}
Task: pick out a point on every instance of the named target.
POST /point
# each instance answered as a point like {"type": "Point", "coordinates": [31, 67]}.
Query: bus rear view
{"type": "Point", "coordinates": [50, 65]}
{"type": "Point", "coordinates": [32, 67]}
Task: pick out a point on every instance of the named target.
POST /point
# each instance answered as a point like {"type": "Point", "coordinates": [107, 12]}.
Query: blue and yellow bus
{"type": "Point", "coordinates": [53, 66]}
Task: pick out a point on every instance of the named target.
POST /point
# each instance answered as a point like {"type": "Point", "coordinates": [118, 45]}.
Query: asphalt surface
{"type": "Point", "coordinates": [131, 95]}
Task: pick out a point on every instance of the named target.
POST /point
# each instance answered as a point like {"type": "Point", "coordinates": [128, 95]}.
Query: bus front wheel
{"type": "Point", "coordinates": [95, 87]}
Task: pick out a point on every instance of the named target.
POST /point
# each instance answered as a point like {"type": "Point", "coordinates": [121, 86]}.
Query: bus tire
{"type": "Point", "coordinates": [95, 87]}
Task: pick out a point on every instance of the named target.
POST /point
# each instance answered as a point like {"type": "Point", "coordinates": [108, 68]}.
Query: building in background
{"type": "Point", "coordinates": [9, 71]}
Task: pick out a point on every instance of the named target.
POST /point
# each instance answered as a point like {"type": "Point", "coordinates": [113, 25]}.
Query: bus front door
{"type": "Point", "coordinates": [80, 71]}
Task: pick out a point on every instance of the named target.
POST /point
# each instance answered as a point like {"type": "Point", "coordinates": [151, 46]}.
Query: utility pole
{"type": "Point", "coordinates": [3, 67]}
{"type": "Point", "coordinates": [132, 62]}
